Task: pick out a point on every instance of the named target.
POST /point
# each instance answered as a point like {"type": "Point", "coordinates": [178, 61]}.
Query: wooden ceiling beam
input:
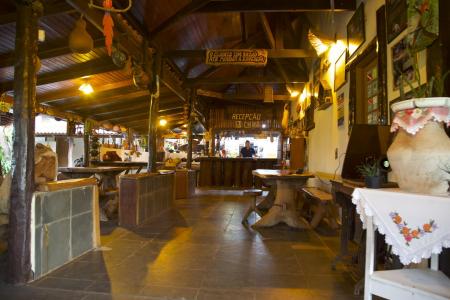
{"type": "Point", "coordinates": [110, 108]}
{"type": "Point", "coordinates": [188, 9]}
{"type": "Point", "coordinates": [225, 96]}
{"type": "Point", "coordinates": [195, 82]}
{"type": "Point", "coordinates": [276, 6]}
{"type": "Point", "coordinates": [74, 92]}
{"type": "Point", "coordinates": [98, 102]}
{"type": "Point", "coordinates": [272, 53]}
{"type": "Point", "coordinates": [134, 109]}
{"type": "Point", "coordinates": [49, 10]}
{"type": "Point", "coordinates": [48, 50]}
{"type": "Point", "coordinates": [169, 79]}
{"type": "Point", "coordinates": [92, 67]}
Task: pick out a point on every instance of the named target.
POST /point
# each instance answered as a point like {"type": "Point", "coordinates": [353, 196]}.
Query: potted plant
{"type": "Point", "coordinates": [372, 174]}
{"type": "Point", "coordinates": [421, 146]}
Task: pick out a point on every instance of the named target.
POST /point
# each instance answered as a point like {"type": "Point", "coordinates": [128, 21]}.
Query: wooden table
{"type": "Point", "coordinates": [108, 187]}
{"type": "Point", "coordinates": [128, 164]}
{"type": "Point", "coordinates": [107, 175]}
{"type": "Point", "coordinates": [284, 207]}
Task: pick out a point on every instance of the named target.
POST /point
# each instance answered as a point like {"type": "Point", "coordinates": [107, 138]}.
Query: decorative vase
{"type": "Point", "coordinates": [374, 182]}
{"type": "Point", "coordinates": [79, 40]}
{"type": "Point", "coordinates": [420, 153]}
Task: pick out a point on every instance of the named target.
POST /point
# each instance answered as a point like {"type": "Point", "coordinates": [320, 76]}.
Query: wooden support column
{"type": "Point", "coordinates": [22, 188]}
{"type": "Point", "coordinates": [86, 139]}
{"type": "Point", "coordinates": [192, 95]}
{"type": "Point", "coordinates": [152, 132]}
{"type": "Point", "coordinates": [153, 68]}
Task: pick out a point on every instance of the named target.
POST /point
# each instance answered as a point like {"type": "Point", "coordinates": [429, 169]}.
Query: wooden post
{"type": "Point", "coordinates": [153, 68]}
{"type": "Point", "coordinates": [86, 135]}
{"type": "Point", "coordinates": [192, 94]}
{"type": "Point", "coordinates": [152, 132]}
{"type": "Point", "coordinates": [22, 187]}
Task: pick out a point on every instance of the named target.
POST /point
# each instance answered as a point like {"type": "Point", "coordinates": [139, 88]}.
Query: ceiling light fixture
{"type": "Point", "coordinates": [163, 122]}
{"type": "Point", "coordinates": [86, 88]}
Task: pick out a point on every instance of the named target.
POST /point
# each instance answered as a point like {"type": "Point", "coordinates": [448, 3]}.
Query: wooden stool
{"type": "Point", "coordinates": [253, 208]}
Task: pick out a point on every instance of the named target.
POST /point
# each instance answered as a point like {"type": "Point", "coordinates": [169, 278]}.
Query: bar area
{"type": "Point", "coordinates": [217, 150]}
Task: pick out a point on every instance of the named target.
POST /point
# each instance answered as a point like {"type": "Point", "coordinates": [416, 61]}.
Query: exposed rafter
{"type": "Point", "coordinates": [48, 50]}
{"type": "Point", "coordinates": [276, 6]}
{"type": "Point", "coordinates": [242, 80]}
{"type": "Point", "coordinates": [225, 96]}
{"type": "Point", "coordinates": [74, 92]}
{"type": "Point", "coordinates": [49, 10]}
{"type": "Point", "coordinates": [188, 9]}
{"type": "Point", "coordinates": [273, 53]}
{"type": "Point", "coordinates": [95, 66]}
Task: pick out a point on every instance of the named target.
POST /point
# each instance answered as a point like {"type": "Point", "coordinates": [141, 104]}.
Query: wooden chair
{"type": "Point", "coordinates": [255, 193]}
{"type": "Point", "coordinates": [411, 284]}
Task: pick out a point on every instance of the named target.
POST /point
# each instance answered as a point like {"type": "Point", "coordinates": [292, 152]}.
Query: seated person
{"type": "Point", "coordinates": [247, 151]}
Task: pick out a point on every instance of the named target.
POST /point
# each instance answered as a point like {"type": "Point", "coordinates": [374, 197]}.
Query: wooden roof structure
{"type": "Point", "coordinates": [179, 31]}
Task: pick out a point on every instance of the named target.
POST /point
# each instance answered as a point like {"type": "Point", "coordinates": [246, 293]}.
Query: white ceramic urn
{"type": "Point", "coordinates": [420, 155]}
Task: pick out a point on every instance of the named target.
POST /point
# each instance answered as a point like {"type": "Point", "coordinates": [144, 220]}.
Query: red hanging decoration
{"type": "Point", "coordinates": [108, 25]}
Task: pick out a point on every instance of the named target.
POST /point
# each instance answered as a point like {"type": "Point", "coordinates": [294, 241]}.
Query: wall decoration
{"type": "Point", "coordinates": [356, 34]}
{"type": "Point", "coordinates": [339, 72]}
{"type": "Point", "coordinates": [396, 17]}
{"type": "Point", "coordinates": [242, 57]}
{"type": "Point", "coordinates": [402, 63]}
{"type": "Point", "coordinates": [340, 109]}
{"type": "Point", "coordinates": [423, 22]}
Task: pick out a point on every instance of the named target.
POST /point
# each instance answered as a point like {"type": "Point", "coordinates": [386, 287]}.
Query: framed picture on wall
{"type": "Point", "coordinates": [339, 71]}
{"type": "Point", "coordinates": [356, 34]}
{"type": "Point", "coordinates": [402, 63]}
{"type": "Point", "coordinates": [340, 109]}
{"type": "Point", "coordinates": [396, 18]}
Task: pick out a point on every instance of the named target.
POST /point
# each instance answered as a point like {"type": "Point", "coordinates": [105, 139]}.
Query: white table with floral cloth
{"type": "Point", "coordinates": [416, 226]}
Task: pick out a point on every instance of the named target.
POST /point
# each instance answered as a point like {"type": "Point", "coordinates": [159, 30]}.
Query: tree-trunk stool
{"type": "Point", "coordinates": [255, 193]}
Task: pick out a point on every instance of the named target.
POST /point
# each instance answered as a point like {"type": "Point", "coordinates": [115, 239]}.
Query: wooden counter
{"type": "Point", "coordinates": [231, 172]}
{"type": "Point", "coordinates": [144, 196]}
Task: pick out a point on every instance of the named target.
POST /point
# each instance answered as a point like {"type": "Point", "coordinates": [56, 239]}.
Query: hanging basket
{"type": "Point", "coordinates": [6, 118]}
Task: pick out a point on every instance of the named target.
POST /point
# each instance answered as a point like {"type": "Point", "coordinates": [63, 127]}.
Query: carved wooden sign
{"type": "Point", "coordinates": [242, 57]}
{"type": "Point", "coordinates": [247, 120]}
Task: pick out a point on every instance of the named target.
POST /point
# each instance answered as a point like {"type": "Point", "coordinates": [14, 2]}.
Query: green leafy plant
{"type": "Point", "coordinates": [423, 29]}
{"type": "Point", "coordinates": [369, 169]}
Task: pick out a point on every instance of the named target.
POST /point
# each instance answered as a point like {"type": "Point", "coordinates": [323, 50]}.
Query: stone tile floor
{"type": "Point", "coordinates": [200, 250]}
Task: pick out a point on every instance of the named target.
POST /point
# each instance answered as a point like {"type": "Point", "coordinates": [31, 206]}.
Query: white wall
{"type": "Point", "coordinates": [327, 136]}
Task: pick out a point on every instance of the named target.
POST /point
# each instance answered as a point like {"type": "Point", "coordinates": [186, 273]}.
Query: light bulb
{"type": "Point", "coordinates": [86, 88]}
{"type": "Point", "coordinates": [162, 122]}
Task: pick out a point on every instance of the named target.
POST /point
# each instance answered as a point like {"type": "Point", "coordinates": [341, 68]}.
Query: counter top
{"type": "Point", "coordinates": [66, 184]}
{"type": "Point", "coordinates": [235, 158]}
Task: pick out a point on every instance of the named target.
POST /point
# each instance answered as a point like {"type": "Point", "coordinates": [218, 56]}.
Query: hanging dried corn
{"type": "Point", "coordinates": [108, 24]}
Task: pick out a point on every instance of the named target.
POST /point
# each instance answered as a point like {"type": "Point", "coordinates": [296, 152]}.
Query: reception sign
{"type": "Point", "coordinates": [242, 57]}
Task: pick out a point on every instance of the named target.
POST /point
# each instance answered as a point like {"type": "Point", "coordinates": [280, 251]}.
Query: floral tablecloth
{"type": "Point", "coordinates": [414, 119]}
{"type": "Point", "coordinates": [415, 225]}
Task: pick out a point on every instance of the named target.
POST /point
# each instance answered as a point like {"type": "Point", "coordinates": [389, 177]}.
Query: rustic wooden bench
{"type": "Point", "coordinates": [323, 206]}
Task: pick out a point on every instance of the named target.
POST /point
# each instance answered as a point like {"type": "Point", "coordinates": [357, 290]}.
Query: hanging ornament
{"type": "Point", "coordinates": [108, 26]}
{"type": "Point", "coordinates": [119, 58]}
{"type": "Point", "coordinates": [79, 39]}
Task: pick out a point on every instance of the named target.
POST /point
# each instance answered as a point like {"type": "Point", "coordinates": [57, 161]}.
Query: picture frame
{"type": "Point", "coordinates": [396, 18]}
{"type": "Point", "coordinates": [397, 55]}
{"type": "Point", "coordinates": [340, 76]}
{"type": "Point", "coordinates": [340, 109]}
{"type": "Point", "coordinates": [356, 33]}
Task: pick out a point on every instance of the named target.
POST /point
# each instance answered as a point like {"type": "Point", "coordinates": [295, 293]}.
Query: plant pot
{"type": "Point", "coordinates": [374, 182]}
{"type": "Point", "coordinates": [419, 161]}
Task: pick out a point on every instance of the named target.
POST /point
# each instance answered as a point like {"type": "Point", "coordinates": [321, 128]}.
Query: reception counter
{"type": "Point", "coordinates": [231, 172]}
